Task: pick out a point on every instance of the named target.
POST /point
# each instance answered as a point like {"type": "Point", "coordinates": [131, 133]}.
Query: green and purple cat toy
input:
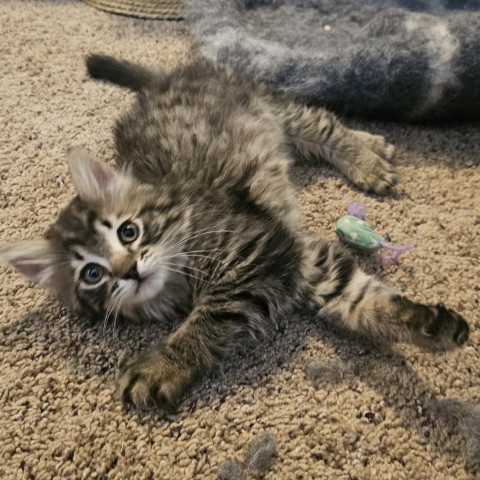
{"type": "Point", "coordinates": [355, 231]}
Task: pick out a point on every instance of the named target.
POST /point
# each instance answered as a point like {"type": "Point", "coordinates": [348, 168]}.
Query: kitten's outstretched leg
{"type": "Point", "coordinates": [159, 378]}
{"type": "Point", "coordinates": [364, 304]}
{"type": "Point", "coordinates": [363, 158]}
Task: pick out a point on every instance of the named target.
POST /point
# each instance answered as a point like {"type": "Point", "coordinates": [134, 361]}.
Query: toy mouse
{"type": "Point", "coordinates": [354, 230]}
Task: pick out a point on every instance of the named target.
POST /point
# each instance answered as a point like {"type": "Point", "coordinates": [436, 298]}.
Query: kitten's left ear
{"type": "Point", "coordinates": [33, 258]}
{"type": "Point", "coordinates": [94, 181]}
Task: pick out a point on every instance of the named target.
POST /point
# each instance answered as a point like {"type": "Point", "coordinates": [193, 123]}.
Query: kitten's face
{"type": "Point", "coordinates": [113, 248]}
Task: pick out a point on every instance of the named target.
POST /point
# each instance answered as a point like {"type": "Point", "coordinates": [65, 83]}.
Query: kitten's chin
{"type": "Point", "coordinates": [148, 287]}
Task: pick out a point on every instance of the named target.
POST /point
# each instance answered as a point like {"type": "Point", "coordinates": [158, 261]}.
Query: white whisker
{"type": "Point", "coordinates": [192, 236]}
{"type": "Point", "coordinates": [107, 316]}
{"type": "Point", "coordinates": [194, 255]}
{"type": "Point", "coordinates": [187, 266]}
{"type": "Point", "coordinates": [182, 272]}
{"type": "Point", "coordinates": [117, 311]}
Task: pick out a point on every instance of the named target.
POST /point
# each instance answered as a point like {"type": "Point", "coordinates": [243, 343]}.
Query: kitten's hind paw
{"type": "Point", "coordinates": [373, 174]}
{"type": "Point", "coordinates": [152, 381]}
{"type": "Point", "coordinates": [372, 168]}
{"type": "Point", "coordinates": [434, 327]}
{"type": "Point", "coordinates": [444, 328]}
{"type": "Point", "coordinates": [377, 144]}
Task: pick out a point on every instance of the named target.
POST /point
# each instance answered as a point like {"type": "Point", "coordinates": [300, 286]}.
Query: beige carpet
{"type": "Point", "coordinates": [372, 416]}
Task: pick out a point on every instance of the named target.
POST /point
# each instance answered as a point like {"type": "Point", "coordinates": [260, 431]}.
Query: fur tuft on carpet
{"type": "Point", "coordinates": [336, 408]}
{"type": "Point", "coordinates": [390, 59]}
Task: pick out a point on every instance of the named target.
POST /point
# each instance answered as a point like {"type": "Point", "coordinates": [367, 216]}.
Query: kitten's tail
{"type": "Point", "coordinates": [123, 73]}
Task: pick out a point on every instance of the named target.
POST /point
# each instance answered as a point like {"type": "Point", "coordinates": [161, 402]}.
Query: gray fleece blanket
{"type": "Point", "coordinates": [416, 60]}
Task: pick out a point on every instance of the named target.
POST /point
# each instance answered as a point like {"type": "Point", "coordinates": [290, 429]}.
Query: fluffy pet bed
{"type": "Point", "coordinates": [394, 59]}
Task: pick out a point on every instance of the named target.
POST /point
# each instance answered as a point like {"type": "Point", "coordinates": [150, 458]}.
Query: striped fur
{"type": "Point", "coordinates": [200, 220]}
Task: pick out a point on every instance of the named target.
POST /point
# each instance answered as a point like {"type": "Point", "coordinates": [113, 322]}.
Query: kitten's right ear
{"type": "Point", "coordinates": [32, 258]}
{"type": "Point", "coordinates": [94, 181]}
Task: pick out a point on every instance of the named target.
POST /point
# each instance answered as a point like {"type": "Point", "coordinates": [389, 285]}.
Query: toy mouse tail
{"type": "Point", "coordinates": [398, 250]}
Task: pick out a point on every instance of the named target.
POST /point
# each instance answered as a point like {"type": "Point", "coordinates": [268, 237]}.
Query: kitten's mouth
{"type": "Point", "coordinates": [141, 281]}
{"type": "Point", "coordinates": [148, 285]}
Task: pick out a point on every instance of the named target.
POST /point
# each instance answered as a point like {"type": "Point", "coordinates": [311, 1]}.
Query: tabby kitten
{"type": "Point", "coordinates": [200, 220]}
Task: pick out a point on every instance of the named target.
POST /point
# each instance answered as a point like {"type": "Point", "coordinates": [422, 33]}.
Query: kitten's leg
{"type": "Point", "coordinates": [363, 158]}
{"type": "Point", "coordinates": [363, 303]}
{"type": "Point", "coordinates": [160, 377]}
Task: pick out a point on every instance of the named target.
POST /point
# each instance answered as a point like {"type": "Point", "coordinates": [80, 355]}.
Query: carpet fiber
{"type": "Point", "coordinates": [337, 408]}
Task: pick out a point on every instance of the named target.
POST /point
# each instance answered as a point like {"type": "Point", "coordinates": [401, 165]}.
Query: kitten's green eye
{"type": "Point", "coordinates": [128, 232]}
{"type": "Point", "coordinates": [92, 273]}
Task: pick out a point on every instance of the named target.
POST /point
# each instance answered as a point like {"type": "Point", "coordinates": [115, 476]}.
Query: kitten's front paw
{"type": "Point", "coordinates": [152, 380]}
